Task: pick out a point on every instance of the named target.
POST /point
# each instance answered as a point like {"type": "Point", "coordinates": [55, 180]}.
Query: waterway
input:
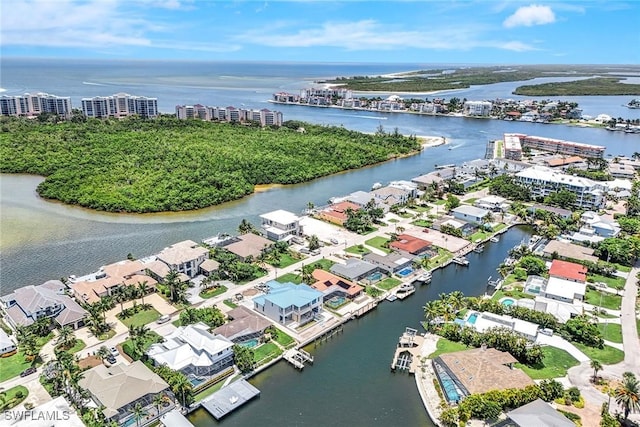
{"type": "Point", "coordinates": [350, 383]}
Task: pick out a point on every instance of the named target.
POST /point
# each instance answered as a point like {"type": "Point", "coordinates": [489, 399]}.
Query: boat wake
{"type": "Point", "coordinates": [92, 84]}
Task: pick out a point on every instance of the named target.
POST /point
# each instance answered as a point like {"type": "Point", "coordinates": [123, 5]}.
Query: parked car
{"type": "Point", "coordinates": [114, 351]}
{"type": "Point", "coordinates": [163, 319]}
{"type": "Point", "coordinates": [111, 360]}
{"type": "Point", "coordinates": [28, 371]}
{"type": "Point", "coordinates": [334, 241]}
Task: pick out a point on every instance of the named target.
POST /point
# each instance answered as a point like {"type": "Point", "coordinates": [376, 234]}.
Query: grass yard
{"type": "Point", "coordinates": [439, 202]}
{"type": "Point", "coordinates": [613, 282]}
{"type": "Point", "coordinates": [229, 303]}
{"type": "Point", "coordinates": [611, 332]}
{"type": "Point", "coordinates": [470, 201]}
{"type": "Point", "coordinates": [283, 339]}
{"type": "Point", "coordinates": [152, 338]}
{"type": "Point", "coordinates": [210, 390]}
{"type": "Point", "coordinates": [290, 277]}
{"type": "Point", "coordinates": [109, 334]}
{"type": "Point", "coordinates": [607, 355]}
{"type": "Point", "coordinates": [442, 257]}
{"type": "Point", "coordinates": [378, 243]}
{"type": "Point", "coordinates": [10, 400]}
{"type": "Point", "coordinates": [388, 283]}
{"type": "Point", "coordinates": [13, 365]}
{"type": "Point", "coordinates": [358, 250]}
{"type": "Point", "coordinates": [499, 227]}
{"type": "Point", "coordinates": [266, 352]}
{"type": "Point", "coordinates": [213, 292]}
{"type": "Point", "coordinates": [623, 268]}
{"type": "Point", "coordinates": [422, 223]}
{"type": "Point", "coordinates": [393, 221]}
{"type": "Point", "coordinates": [555, 364]}
{"type": "Point", "coordinates": [142, 317]}
{"type": "Point", "coordinates": [479, 235]}
{"type": "Point", "coordinates": [79, 345]}
{"type": "Point", "coordinates": [446, 346]}
{"type": "Point", "coordinates": [288, 259]}
{"type": "Point", "coordinates": [603, 299]}
{"type": "Point", "coordinates": [323, 264]}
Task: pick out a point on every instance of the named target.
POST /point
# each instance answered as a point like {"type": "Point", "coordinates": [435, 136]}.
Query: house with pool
{"type": "Point", "coordinates": [243, 327]}
{"type": "Point", "coordinates": [483, 321]}
{"type": "Point", "coordinates": [336, 291]}
{"type": "Point", "coordinates": [289, 304]}
{"type": "Point", "coordinates": [357, 270]}
{"type": "Point", "coordinates": [200, 355]}
{"type": "Point", "coordinates": [478, 370]}
{"type": "Point", "coordinates": [411, 246]}
{"type": "Point", "coordinates": [393, 263]}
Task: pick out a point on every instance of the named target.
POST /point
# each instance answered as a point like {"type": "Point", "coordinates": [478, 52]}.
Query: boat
{"type": "Point", "coordinates": [478, 249]}
{"type": "Point", "coordinates": [424, 278]}
{"type": "Point", "coordinates": [437, 167]}
{"type": "Point", "coordinates": [391, 298]}
{"type": "Point", "coordinates": [460, 260]}
{"type": "Point", "coordinates": [494, 239]}
{"type": "Point", "coordinates": [405, 290]}
{"type": "Point", "coordinates": [376, 186]}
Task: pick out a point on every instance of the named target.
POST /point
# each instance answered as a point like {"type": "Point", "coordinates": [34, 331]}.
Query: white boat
{"type": "Point", "coordinates": [405, 290]}
{"type": "Point", "coordinates": [478, 249]}
{"type": "Point", "coordinates": [376, 186]}
{"type": "Point", "coordinates": [460, 260]}
{"type": "Point", "coordinates": [425, 277]}
{"type": "Point", "coordinates": [494, 239]}
{"type": "Point", "coordinates": [391, 298]}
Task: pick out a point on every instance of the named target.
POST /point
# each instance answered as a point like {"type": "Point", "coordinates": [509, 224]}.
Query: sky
{"type": "Point", "coordinates": [402, 31]}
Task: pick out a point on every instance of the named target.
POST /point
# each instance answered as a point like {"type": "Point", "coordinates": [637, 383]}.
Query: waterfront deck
{"type": "Point", "coordinates": [407, 354]}
{"type": "Point", "coordinates": [297, 357]}
{"type": "Point", "coordinates": [230, 398]}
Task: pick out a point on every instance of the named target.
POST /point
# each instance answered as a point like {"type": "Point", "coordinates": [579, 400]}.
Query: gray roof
{"type": "Point", "coordinates": [392, 260]}
{"type": "Point", "coordinates": [360, 197]}
{"type": "Point", "coordinates": [353, 269]}
{"type": "Point", "coordinates": [471, 210]}
{"type": "Point", "coordinates": [540, 414]}
{"type": "Point", "coordinates": [245, 322]}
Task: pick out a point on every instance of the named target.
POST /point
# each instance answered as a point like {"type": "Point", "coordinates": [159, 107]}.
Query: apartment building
{"type": "Point", "coordinates": [477, 108]}
{"type": "Point", "coordinates": [32, 104]}
{"type": "Point", "coordinates": [543, 181]}
{"type": "Point", "coordinates": [560, 146]}
{"type": "Point", "coordinates": [120, 105]}
{"type": "Point", "coordinates": [512, 147]}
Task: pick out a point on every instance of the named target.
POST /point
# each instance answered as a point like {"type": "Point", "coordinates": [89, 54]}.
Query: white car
{"type": "Point", "coordinates": [163, 319]}
{"type": "Point", "coordinates": [114, 351]}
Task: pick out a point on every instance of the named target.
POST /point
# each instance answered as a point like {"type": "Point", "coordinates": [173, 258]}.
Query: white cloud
{"type": "Point", "coordinates": [371, 35]}
{"type": "Point", "coordinates": [528, 16]}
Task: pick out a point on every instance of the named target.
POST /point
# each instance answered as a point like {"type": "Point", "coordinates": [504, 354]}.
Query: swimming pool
{"type": "Point", "coordinates": [405, 272]}
{"type": "Point", "coordinates": [507, 302]}
{"type": "Point", "coordinates": [250, 343]}
{"type": "Point", "coordinates": [195, 381]}
{"type": "Point", "coordinates": [375, 276]}
{"type": "Point", "coordinates": [336, 302]}
{"type": "Point", "coordinates": [472, 318]}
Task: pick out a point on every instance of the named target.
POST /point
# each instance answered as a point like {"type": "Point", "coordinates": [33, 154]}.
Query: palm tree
{"type": "Point", "coordinates": [596, 366]}
{"type": "Point", "coordinates": [103, 352]}
{"type": "Point", "coordinates": [182, 386]}
{"type": "Point", "coordinates": [628, 394]}
{"type": "Point", "coordinates": [121, 298]}
{"type": "Point", "coordinates": [172, 280]}
{"type": "Point", "coordinates": [307, 273]}
{"type": "Point", "coordinates": [143, 289]}
{"type": "Point", "coordinates": [246, 227]}
{"type": "Point", "coordinates": [138, 413]}
{"type": "Point", "coordinates": [158, 400]}
{"type": "Point", "coordinates": [66, 338]}
{"type": "Point", "coordinates": [432, 310]}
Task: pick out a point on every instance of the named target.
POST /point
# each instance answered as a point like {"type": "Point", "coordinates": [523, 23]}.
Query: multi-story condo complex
{"type": "Point", "coordinates": [32, 104]}
{"type": "Point", "coordinates": [512, 147]}
{"type": "Point", "coordinates": [120, 105]}
{"type": "Point", "coordinates": [477, 108]}
{"type": "Point", "coordinates": [559, 146]}
{"type": "Point", "coordinates": [543, 181]}
{"type": "Point", "coordinates": [264, 117]}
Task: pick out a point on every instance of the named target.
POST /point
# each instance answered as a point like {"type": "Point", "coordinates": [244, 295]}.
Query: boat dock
{"type": "Point", "coordinates": [460, 260]}
{"type": "Point", "coordinates": [405, 290]}
{"type": "Point", "coordinates": [297, 357]}
{"type": "Point", "coordinates": [407, 355]}
{"type": "Point", "coordinates": [230, 398]}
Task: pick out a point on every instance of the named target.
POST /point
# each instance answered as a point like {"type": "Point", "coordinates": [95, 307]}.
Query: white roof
{"type": "Point", "coordinates": [281, 216]}
{"type": "Point", "coordinates": [182, 252]}
{"type": "Point", "coordinates": [471, 210]}
{"type": "Point", "coordinates": [5, 340]}
{"type": "Point", "coordinates": [489, 320]}
{"type": "Point", "coordinates": [453, 223]}
{"type": "Point", "coordinates": [492, 200]}
{"type": "Point", "coordinates": [619, 184]}
{"type": "Point", "coordinates": [562, 311]}
{"type": "Point", "coordinates": [542, 173]}
{"type": "Point", "coordinates": [189, 345]}
{"type": "Point", "coordinates": [43, 415]}
{"type": "Point", "coordinates": [564, 288]}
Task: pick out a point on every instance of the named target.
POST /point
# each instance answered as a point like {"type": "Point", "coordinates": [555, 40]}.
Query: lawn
{"type": "Point", "coordinates": [266, 352]}
{"type": "Point", "coordinates": [358, 250]}
{"type": "Point", "coordinates": [288, 259]}
{"type": "Point", "coordinates": [439, 202]}
{"type": "Point", "coordinates": [607, 355]}
{"type": "Point", "coordinates": [612, 282]}
{"type": "Point", "coordinates": [79, 345]}
{"type": "Point", "coordinates": [555, 364]}
{"type": "Point", "coordinates": [611, 332]}
{"type": "Point", "coordinates": [290, 277]}
{"type": "Point", "coordinates": [378, 243]}
{"type": "Point", "coordinates": [230, 303]}
{"type": "Point", "coordinates": [13, 365]}
{"type": "Point", "coordinates": [210, 390]}
{"type": "Point", "coordinates": [141, 318]}
{"type": "Point", "coordinates": [393, 221]}
{"type": "Point", "coordinates": [446, 346]}
{"type": "Point", "coordinates": [109, 334]}
{"type": "Point", "coordinates": [422, 223]}
{"type": "Point", "coordinates": [388, 283]}
{"type": "Point", "coordinates": [623, 268]}
{"type": "Point", "coordinates": [470, 201]}
{"type": "Point", "coordinates": [324, 264]}
{"type": "Point", "coordinates": [442, 257]}
{"type": "Point", "coordinates": [213, 292]}
{"type": "Point", "coordinates": [499, 227]}
{"type": "Point", "coordinates": [603, 299]}
{"type": "Point", "coordinates": [479, 235]}
{"type": "Point", "coordinates": [152, 338]}
{"type": "Point", "coordinates": [10, 400]}
{"type": "Point", "coordinates": [283, 339]}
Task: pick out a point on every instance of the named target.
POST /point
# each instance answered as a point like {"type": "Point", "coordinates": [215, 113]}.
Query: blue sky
{"type": "Point", "coordinates": [463, 31]}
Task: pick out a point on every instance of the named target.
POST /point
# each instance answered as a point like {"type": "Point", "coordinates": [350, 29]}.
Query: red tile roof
{"type": "Point", "coordinates": [325, 280]}
{"type": "Point", "coordinates": [568, 270]}
{"type": "Point", "coordinates": [410, 244]}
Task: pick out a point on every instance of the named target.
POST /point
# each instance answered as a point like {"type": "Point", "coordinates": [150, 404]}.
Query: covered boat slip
{"type": "Point", "coordinates": [230, 398]}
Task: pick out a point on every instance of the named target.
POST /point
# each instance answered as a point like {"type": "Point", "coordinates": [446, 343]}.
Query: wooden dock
{"type": "Point", "coordinates": [407, 354]}
{"type": "Point", "coordinates": [229, 398]}
{"type": "Point", "coordinates": [297, 357]}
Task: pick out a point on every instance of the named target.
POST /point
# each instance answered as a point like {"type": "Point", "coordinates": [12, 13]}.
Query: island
{"type": "Point", "coordinates": [166, 164]}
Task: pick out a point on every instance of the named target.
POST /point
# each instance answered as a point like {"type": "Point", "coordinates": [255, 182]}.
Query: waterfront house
{"type": "Point", "coordinates": [355, 269]}
{"type": "Point", "coordinates": [243, 325]}
{"type": "Point", "coordinates": [563, 290]}
{"type": "Point", "coordinates": [390, 263]}
{"type": "Point", "coordinates": [337, 212]}
{"type": "Point", "coordinates": [568, 271]}
{"type": "Point", "coordinates": [392, 196]}
{"type": "Point", "coordinates": [562, 213]}
{"type": "Point", "coordinates": [28, 304]}
{"type": "Point", "coordinates": [7, 345]}
{"type": "Point", "coordinates": [493, 203]}
{"type": "Point", "coordinates": [334, 286]}
{"type": "Point", "coordinates": [537, 413]}
{"type": "Point", "coordinates": [478, 370]}
{"type": "Point", "coordinates": [598, 225]}
{"type": "Point", "coordinates": [568, 251]}
{"type": "Point", "coordinates": [54, 412]}
{"type": "Point", "coordinates": [410, 245]}
{"type": "Point", "coordinates": [426, 181]}
{"type": "Point", "coordinates": [116, 390]}
{"type": "Point", "coordinates": [281, 225]}
{"type": "Point", "coordinates": [486, 320]}
{"type": "Point", "coordinates": [184, 257]}
{"type": "Point", "coordinates": [561, 310]}
{"type": "Point", "coordinates": [194, 351]}
{"type": "Point", "coordinates": [247, 246]}
{"type": "Point", "coordinates": [289, 304]}
{"type": "Point", "coordinates": [470, 214]}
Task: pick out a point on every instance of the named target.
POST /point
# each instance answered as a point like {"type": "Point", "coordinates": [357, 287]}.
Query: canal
{"type": "Point", "coordinates": [350, 383]}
